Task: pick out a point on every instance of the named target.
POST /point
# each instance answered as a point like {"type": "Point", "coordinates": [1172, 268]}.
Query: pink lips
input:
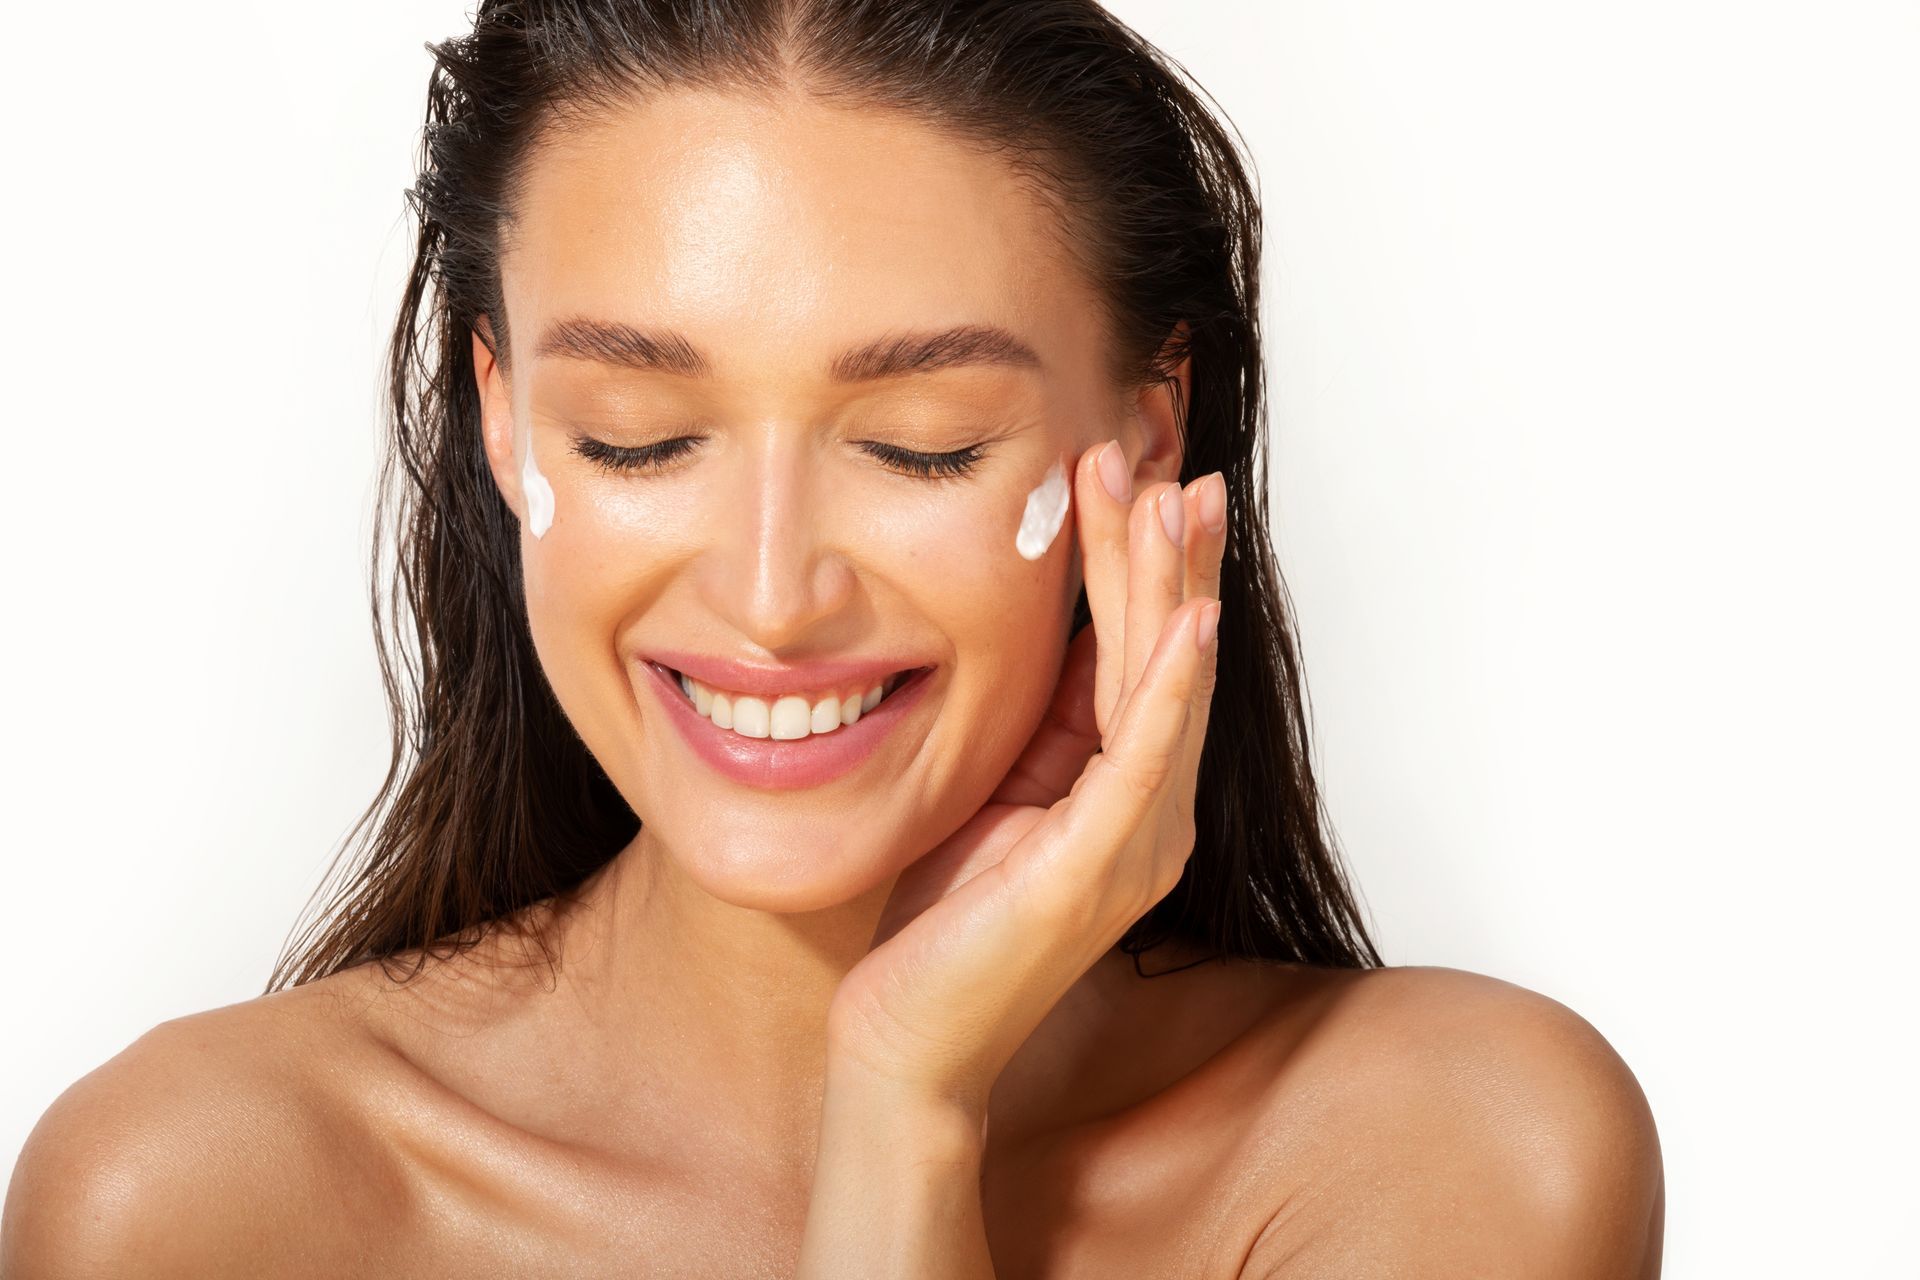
{"type": "Point", "coordinates": [798, 677]}
{"type": "Point", "coordinates": [776, 764]}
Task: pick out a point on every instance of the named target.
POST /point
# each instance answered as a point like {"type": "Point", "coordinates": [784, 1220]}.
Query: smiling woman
{"type": "Point", "coordinates": [907, 906]}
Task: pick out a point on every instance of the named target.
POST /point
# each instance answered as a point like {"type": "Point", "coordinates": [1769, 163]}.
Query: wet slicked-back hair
{"type": "Point", "coordinates": [492, 803]}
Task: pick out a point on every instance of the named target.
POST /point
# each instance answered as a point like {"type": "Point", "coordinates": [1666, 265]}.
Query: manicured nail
{"type": "Point", "coordinates": [1208, 626]}
{"type": "Point", "coordinates": [1173, 516]}
{"type": "Point", "coordinates": [1113, 471]}
{"type": "Point", "coordinates": [1213, 502]}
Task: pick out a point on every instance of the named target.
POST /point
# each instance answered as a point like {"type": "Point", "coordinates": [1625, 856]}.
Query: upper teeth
{"type": "Point", "coordinates": [787, 716]}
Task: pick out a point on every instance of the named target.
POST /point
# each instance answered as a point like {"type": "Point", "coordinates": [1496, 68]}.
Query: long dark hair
{"type": "Point", "coordinates": [492, 803]}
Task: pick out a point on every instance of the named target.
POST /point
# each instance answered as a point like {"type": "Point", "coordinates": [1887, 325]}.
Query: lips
{"type": "Point", "coordinates": [782, 764]}
{"type": "Point", "coordinates": [885, 685]}
{"type": "Point", "coordinates": [762, 681]}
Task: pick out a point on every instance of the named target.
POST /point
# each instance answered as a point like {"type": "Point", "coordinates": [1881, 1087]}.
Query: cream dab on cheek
{"type": "Point", "coordinates": [538, 492]}
{"type": "Point", "coordinates": [1046, 511]}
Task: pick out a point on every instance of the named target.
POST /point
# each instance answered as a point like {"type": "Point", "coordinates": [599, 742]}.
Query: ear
{"type": "Point", "coordinates": [496, 418]}
{"type": "Point", "coordinates": [1159, 415]}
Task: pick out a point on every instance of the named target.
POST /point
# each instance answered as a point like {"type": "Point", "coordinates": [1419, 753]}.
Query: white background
{"type": "Point", "coordinates": [1593, 341]}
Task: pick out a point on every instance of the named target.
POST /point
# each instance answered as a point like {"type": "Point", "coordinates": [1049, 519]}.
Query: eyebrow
{"type": "Point", "coordinates": [666, 351]}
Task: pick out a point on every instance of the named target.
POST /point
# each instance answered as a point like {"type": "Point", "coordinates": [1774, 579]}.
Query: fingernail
{"type": "Point", "coordinates": [1213, 502]}
{"type": "Point", "coordinates": [1173, 516]}
{"type": "Point", "coordinates": [1208, 627]}
{"type": "Point", "coordinates": [1113, 471]}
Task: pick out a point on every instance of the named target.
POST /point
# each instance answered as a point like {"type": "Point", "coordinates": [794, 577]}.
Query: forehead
{"type": "Point", "coordinates": [780, 229]}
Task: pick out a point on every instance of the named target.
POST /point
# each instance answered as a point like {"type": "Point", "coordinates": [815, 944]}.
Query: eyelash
{"type": "Point", "coordinates": [931, 466]}
{"type": "Point", "coordinates": [616, 459]}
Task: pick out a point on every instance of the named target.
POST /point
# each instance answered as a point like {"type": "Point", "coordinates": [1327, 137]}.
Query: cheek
{"type": "Point", "coordinates": [606, 558]}
{"type": "Point", "coordinates": [1002, 617]}
{"type": "Point", "coordinates": [954, 551]}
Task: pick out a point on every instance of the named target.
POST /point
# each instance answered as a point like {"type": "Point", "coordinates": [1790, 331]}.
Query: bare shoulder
{"type": "Point", "coordinates": [202, 1149]}
{"type": "Point", "coordinates": [1459, 1120]}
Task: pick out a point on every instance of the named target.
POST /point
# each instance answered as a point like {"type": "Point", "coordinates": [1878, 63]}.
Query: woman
{"type": "Point", "coordinates": [851, 811]}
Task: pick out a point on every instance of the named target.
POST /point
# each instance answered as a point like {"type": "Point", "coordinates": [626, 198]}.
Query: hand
{"type": "Point", "coordinates": [1091, 826]}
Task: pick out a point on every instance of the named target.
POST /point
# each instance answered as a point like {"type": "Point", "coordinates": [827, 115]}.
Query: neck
{"type": "Point", "coordinates": [714, 1010]}
{"type": "Point", "coordinates": [703, 1024]}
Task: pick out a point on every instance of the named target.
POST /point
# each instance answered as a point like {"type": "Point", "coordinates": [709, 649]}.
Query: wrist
{"type": "Point", "coordinates": [903, 1114]}
{"type": "Point", "coordinates": [896, 1182]}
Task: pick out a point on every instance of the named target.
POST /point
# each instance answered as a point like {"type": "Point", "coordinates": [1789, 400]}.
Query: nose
{"type": "Point", "coordinates": [775, 566]}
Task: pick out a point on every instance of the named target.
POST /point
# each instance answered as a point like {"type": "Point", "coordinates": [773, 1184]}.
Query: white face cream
{"type": "Point", "coordinates": [1046, 512]}
{"type": "Point", "coordinates": [539, 493]}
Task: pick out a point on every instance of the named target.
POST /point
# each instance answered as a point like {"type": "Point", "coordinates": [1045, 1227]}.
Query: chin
{"type": "Point", "coordinates": [783, 866]}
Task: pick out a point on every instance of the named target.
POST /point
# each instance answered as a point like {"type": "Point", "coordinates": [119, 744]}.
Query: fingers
{"type": "Point", "coordinates": [1141, 556]}
{"type": "Point", "coordinates": [1145, 747]}
{"type": "Point", "coordinates": [1206, 503]}
{"type": "Point", "coordinates": [1115, 829]}
{"type": "Point", "coordinates": [1103, 495]}
{"type": "Point", "coordinates": [1156, 574]}
{"type": "Point", "coordinates": [1128, 826]}
{"type": "Point", "coordinates": [1200, 704]}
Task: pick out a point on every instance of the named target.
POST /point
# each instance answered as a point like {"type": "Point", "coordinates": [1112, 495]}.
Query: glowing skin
{"type": "Point", "coordinates": [539, 493]}
{"type": "Point", "coordinates": [1046, 512]}
{"type": "Point", "coordinates": [730, 494]}
{"type": "Point", "coordinates": [744, 506]}
{"type": "Point", "coordinates": [762, 234]}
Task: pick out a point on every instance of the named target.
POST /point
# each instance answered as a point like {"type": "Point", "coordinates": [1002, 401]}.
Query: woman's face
{"type": "Point", "coordinates": [724, 270]}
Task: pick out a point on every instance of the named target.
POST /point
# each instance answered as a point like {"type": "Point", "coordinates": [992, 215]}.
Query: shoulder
{"type": "Point", "coordinates": [198, 1150]}
{"type": "Point", "coordinates": [1468, 1122]}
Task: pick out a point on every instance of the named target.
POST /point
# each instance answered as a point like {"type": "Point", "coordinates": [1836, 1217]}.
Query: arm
{"type": "Point", "coordinates": [896, 1186]}
{"type": "Point", "coordinates": [981, 936]}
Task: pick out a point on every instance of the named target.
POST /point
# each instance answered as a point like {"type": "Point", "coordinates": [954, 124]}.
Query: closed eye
{"type": "Point", "coordinates": [659, 455]}
{"type": "Point", "coordinates": [622, 458]}
{"type": "Point", "coordinates": [934, 466]}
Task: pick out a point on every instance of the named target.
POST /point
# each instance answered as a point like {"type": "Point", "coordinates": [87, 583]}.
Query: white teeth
{"type": "Point", "coordinates": [787, 718]}
{"type": "Point", "coordinates": [825, 717]}
{"type": "Point", "coordinates": [790, 717]}
{"type": "Point", "coordinates": [750, 717]}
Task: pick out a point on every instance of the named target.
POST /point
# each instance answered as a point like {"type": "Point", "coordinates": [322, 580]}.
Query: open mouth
{"type": "Point", "coordinates": [787, 717]}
